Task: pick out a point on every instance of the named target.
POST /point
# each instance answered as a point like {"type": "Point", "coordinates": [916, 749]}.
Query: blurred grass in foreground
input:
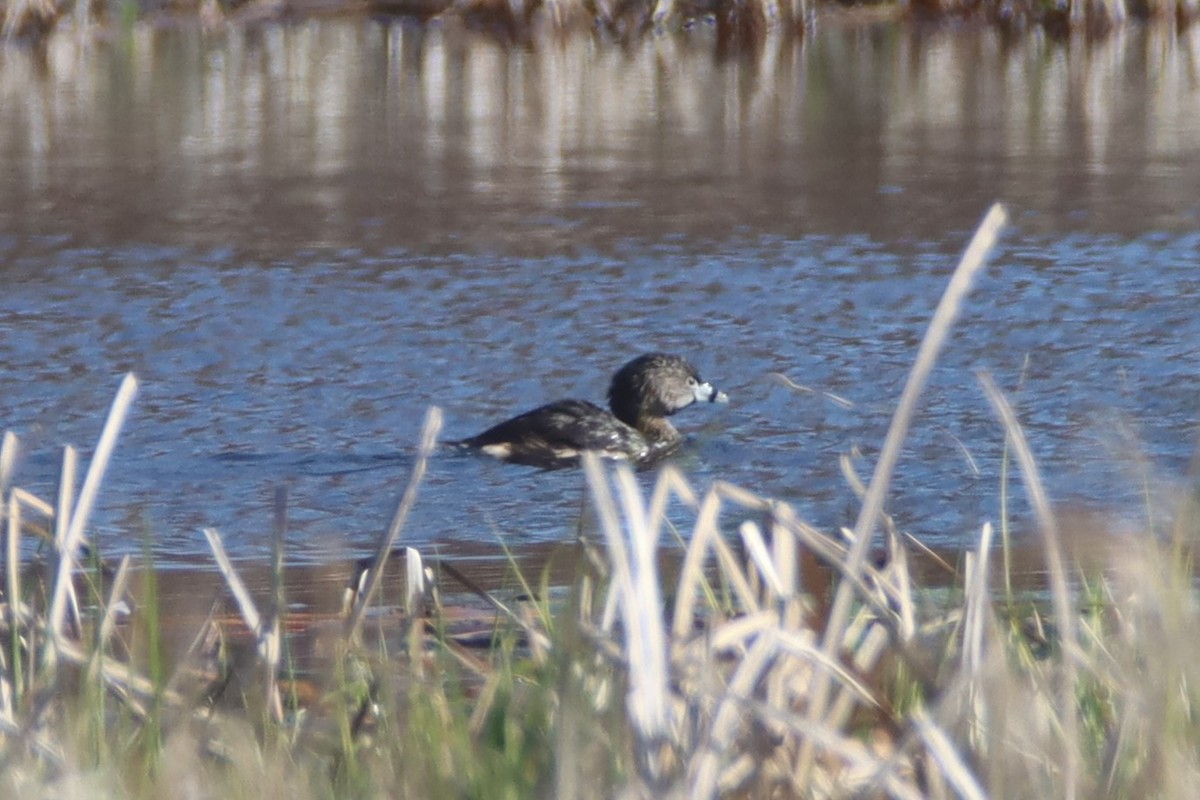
{"type": "Point", "coordinates": [779, 660]}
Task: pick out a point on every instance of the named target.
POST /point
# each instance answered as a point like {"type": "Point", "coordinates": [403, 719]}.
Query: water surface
{"type": "Point", "coordinates": [301, 237]}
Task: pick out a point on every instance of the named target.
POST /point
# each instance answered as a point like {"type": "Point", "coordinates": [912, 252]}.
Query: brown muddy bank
{"type": "Point", "coordinates": [467, 580]}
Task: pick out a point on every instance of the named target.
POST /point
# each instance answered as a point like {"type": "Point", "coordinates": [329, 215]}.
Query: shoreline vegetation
{"type": "Point", "coordinates": [742, 674]}
{"type": "Point", "coordinates": [522, 21]}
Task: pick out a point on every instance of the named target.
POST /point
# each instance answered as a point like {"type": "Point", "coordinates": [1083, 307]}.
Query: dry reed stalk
{"type": "Point", "coordinates": [705, 539]}
{"type": "Point", "coordinates": [705, 768]}
{"type": "Point", "coordinates": [763, 559]}
{"type": "Point", "coordinates": [896, 583]}
{"type": "Point", "coordinates": [10, 680]}
{"type": "Point", "coordinates": [871, 646]}
{"type": "Point", "coordinates": [33, 502]}
{"type": "Point", "coordinates": [62, 520]}
{"type": "Point", "coordinates": [952, 765]}
{"type": "Point", "coordinates": [81, 511]}
{"type": "Point", "coordinates": [766, 647]}
{"type": "Point", "coordinates": [944, 316]}
{"type": "Point", "coordinates": [636, 586]}
{"type": "Point", "coordinates": [414, 582]}
{"type": "Point", "coordinates": [273, 636]}
{"type": "Point", "coordinates": [414, 593]}
{"type": "Point", "coordinates": [670, 481]}
{"type": "Point", "coordinates": [977, 608]}
{"type": "Point", "coordinates": [120, 675]}
{"type": "Point", "coordinates": [8, 459]}
{"type": "Point", "coordinates": [109, 621]}
{"type": "Point", "coordinates": [12, 589]}
{"type": "Point", "coordinates": [691, 574]}
{"type": "Point", "coordinates": [788, 383]}
{"type": "Point", "coordinates": [267, 635]}
{"type": "Point", "coordinates": [237, 587]}
{"type": "Point", "coordinates": [862, 770]}
{"type": "Point", "coordinates": [609, 519]}
{"type": "Point", "coordinates": [425, 448]}
{"type": "Point", "coordinates": [477, 590]}
{"type": "Point", "coordinates": [8, 721]}
{"type": "Point", "coordinates": [66, 491]}
{"type": "Point", "coordinates": [785, 548]}
{"type": "Point", "coordinates": [1060, 594]}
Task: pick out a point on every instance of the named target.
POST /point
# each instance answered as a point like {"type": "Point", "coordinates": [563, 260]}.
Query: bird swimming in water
{"type": "Point", "coordinates": [643, 393]}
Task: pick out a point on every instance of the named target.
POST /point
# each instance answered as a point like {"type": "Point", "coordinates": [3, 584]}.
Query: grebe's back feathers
{"type": "Point", "coordinates": [554, 435]}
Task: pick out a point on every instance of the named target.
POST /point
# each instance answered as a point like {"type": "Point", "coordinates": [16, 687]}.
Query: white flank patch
{"type": "Point", "coordinates": [501, 451]}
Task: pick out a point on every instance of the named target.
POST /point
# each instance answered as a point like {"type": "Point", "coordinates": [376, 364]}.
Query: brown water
{"type": "Point", "coordinates": [302, 236]}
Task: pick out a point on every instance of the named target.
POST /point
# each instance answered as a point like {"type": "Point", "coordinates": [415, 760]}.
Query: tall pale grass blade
{"type": "Point", "coordinates": [744, 498]}
{"type": "Point", "coordinates": [121, 675]}
{"type": "Point", "coordinates": [62, 524]}
{"type": "Point", "coordinates": [866, 656]}
{"type": "Point", "coordinates": [977, 603]}
{"type": "Point", "coordinates": [10, 511]}
{"type": "Point", "coordinates": [109, 621]}
{"type": "Point", "coordinates": [670, 480]}
{"type": "Point", "coordinates": [237, 587]}
{"type": "Point", "coordinates": [784, 549]}
{"type": "Point", "coordinates": [475, 589]}
{"type": "Point", "coordinates": [864, 659]}
{"type": "Point", "coordinates": [648, 695]}
{"type": "Point", "coordinates": [414, 584]}
{"type": "Point", "coordinates": [272, 643]}
{"type": "Point", "coordinates": [973, 261]}
{"type": "Point", "coordinates": [429, 433]}
{"type": "Point", "coordinates": [414, 607]}
{"type": "Point", "coordinates": [12, 564]}
{"type": "Point", "coordinates": [99, 463]}
{"type": "Point", "coordinates": [635, 580]}
{"type": "Point", "coordinates": [728, 719]}
{"type": "Point", "coordinates": [736, 634]}
{"type": "Point", "coordinates": [62, 520]}
{"type": "Point", "coordinates": [7, 720]}
{"type": "Point", "coordinates": [82, 510]}
{"type": "Point", "coordinates": [11, 680]}
{"type": "Point", "coordinates": [32, 502]}
{"type": "Point", "coordinates": [8, 459]}
{"type": "Point", "coordinates": [944, 316]}
{"type": "Point", "coordinates": [899, 585]}
{"type": "Point", "coordinates": [756, 548]}
{"type": "Point", "coordinates": [952, 765]}
{"type": "Point", "coordinates": [691, 574]}
{"type": "Point", "coordinates": [66, 494]}
{"type": "Point", "coordinates": [1060, 593]}
{"type": "Point", "coordinates": [706, 538]}
{"type": "Point", "coordinates": [733, 569]}
{"type": "Point", "coordinates": [610, 527]}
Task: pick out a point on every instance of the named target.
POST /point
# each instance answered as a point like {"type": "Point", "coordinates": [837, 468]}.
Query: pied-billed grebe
{"type": "Point", "coordinates": [643, 393]}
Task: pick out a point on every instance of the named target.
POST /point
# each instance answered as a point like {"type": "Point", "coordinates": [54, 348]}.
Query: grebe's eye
{"type": "Point", "coordinates": [691, 380]}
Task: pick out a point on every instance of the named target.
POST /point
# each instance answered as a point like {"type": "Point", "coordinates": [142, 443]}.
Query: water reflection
{"type": "Point", "coordinates": [301, 236]}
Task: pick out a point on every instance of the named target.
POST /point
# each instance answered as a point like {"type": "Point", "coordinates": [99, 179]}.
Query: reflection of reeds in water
{"type": "Point", "coordinates": [778, 660]}
{"type": "Point", "coordinates": [522, 19]}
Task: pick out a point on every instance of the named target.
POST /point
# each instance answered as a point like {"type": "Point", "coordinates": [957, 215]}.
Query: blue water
{"type": "Point", "coordinates": [296, 281]}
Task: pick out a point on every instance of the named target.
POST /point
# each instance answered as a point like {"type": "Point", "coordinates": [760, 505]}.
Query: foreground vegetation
{"type": "Point", "coordinates": [782, 661]}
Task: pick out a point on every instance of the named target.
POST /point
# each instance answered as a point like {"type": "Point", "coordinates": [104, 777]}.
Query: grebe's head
{"type": "Point", "coordinates": [657, 385]}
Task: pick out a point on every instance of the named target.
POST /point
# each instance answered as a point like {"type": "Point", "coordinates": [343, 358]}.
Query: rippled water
{"type": "Point", "coordinates": [300, 237]}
